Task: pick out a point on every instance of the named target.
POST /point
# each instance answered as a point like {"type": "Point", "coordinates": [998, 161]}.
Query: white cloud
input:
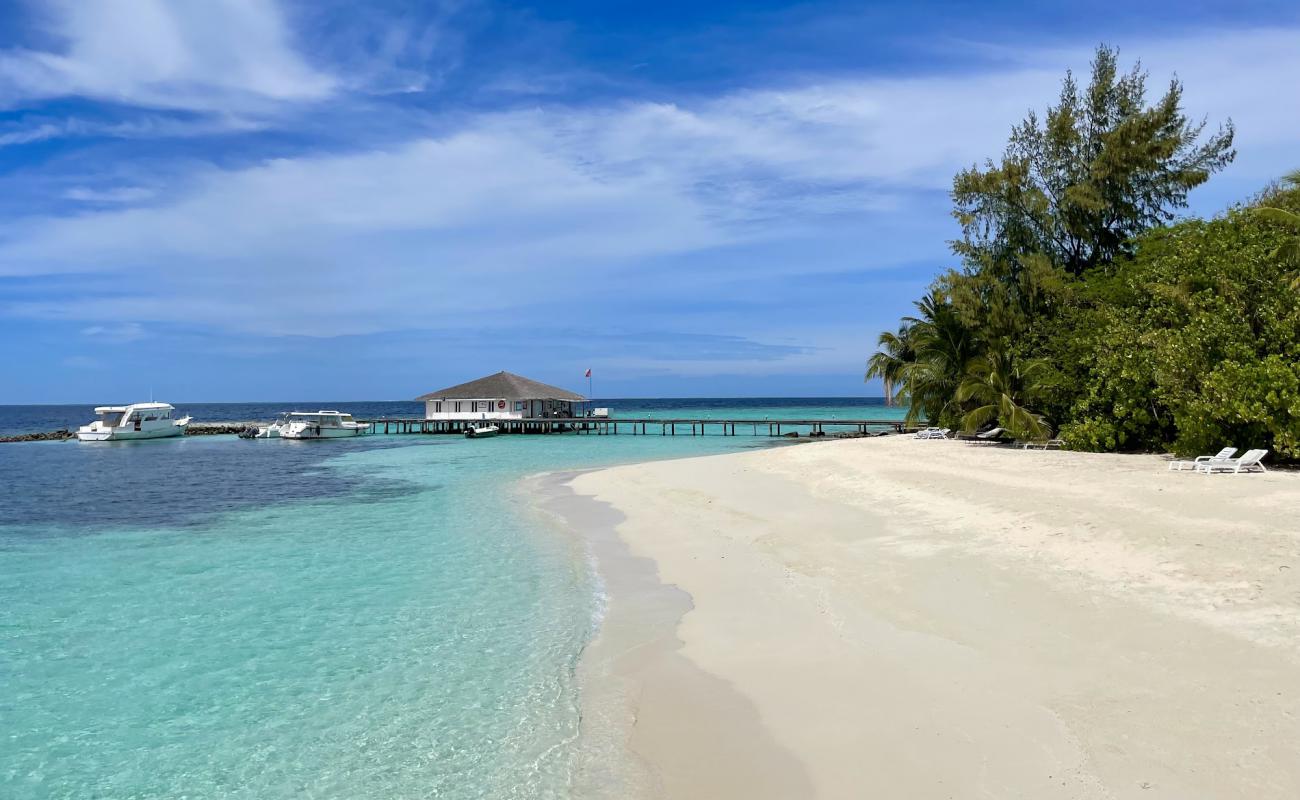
{"type": "Point", "coordinates": [365, 242]}
{"type": "Point", "coordinates": [206, 55]}
{"type": "Point", "coordinates": [143, 126]}
{"type": "Point", "coordinates": [124, 332]}
{"type": "Point", "coordinates": [516, 210]}
{"type": "Point", "coordinates": [120, 194]}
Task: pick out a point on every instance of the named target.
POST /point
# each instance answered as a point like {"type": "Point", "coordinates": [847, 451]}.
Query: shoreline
{"type": "Point", "coordinates": [634, 683]}
{"type": "Point", "coordinates": [904, 617]}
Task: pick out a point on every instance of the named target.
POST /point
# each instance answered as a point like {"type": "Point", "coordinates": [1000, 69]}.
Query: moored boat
{"type": "Point", "coordinates": [136, 421]}
{"type": "Point", "coordinates": [271, 431]}
{"type": "Point", "coordinates": [318, 425]}
{"type": "Point", "coordinates": [481, 431]}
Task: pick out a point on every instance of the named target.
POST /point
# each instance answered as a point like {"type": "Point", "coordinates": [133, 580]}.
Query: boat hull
{"type": "Point", "coordinates": [318, 432]}
{"type": "Point", "coordinates": [127, 433]}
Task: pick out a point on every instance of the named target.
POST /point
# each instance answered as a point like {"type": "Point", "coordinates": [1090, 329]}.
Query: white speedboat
{"type": "Point", "coordinates": [272, 431]}
{"type": "Point", "coordinates": [319, 425]}
{"type": "Point", "coordinates": [481, 431]}
{"type": "Point", "coordinates": [136, 421]}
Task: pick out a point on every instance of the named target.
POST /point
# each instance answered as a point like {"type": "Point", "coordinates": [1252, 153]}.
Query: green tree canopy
{"type": "Point", "coordinates": [1099, 169]}
{"type": "Point", "coordinates": [1079, 299]}
{"type": "Point", "coordinates": [1289, 251]}
{"type": "Point", "coordinates": [1193, 343]}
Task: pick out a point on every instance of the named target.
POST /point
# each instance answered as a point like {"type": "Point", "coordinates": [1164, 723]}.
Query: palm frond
{"type": "Point", "coordinates": [977, 418]}
{"type": "Point", "coordinates": [1289, 252]}
{"type": "Point", "coordinates": [1279, 216]}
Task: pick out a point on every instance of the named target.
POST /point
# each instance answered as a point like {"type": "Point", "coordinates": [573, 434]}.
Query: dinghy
{"type": "Point", "coordinates": [481, 431]}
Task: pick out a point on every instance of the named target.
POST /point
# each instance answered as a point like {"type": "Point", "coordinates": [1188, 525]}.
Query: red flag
{"type": "Point", "coordinates": [588, 375]}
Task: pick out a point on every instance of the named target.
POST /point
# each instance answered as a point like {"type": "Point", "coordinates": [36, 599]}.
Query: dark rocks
{"type": "Point", "coordinates": [216, 428]}
{"type": "Point", "coordinates": [194, 429]}
{"type": "Point", "coordinates": [50, 436]}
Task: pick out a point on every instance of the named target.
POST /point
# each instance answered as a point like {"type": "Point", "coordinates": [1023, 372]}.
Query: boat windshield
{"type": "Point", "coordinates": [111, 419]}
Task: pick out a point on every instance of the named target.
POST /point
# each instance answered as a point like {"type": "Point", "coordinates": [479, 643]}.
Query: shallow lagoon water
{"type": "Point", "coordinates": [378, 617]}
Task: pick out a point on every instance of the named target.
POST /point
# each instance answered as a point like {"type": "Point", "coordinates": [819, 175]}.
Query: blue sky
{"type": "Point", "coordinates": [234, 199]}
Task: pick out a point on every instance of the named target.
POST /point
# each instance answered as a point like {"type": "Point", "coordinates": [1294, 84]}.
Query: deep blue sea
{"type": "Point", "coordinates": [379, 617]}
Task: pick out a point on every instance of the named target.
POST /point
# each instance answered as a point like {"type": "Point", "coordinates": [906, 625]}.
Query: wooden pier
{"type": "Point", "coordinates": [638, 426]}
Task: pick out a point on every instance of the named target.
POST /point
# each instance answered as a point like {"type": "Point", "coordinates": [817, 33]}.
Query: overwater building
{"type": "Point", "coordinates": [501, 396]}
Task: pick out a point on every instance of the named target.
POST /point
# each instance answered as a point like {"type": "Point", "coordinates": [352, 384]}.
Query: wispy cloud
{"type": "Point", "coordinates": [124, 332]}
{"type": "Point", "coordinates": [526, 213]}
{"type": "Point", "coordinates": [217, 55]}
{"type": "Point", "coordinates": [144, 125]}
{"type": "Point", "coordinates": [117, 195]}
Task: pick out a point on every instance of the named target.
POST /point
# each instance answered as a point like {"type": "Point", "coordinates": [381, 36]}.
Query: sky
{"type": "Point", "coordinates": [223, 200]}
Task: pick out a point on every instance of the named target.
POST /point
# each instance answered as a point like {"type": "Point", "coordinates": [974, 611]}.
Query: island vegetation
{"type": "Point", "coordinates": [1084, 307]}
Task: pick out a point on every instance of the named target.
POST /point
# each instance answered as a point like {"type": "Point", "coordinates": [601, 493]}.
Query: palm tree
{"type": "Point", "coordinates": [943, 345]}
{"type": "Point", "coordinates": [892, 360]}
{"type": "Point", "coordinates": [1289, 251]}
{"type": "Point", "coordinates": [998, 383]}
{"type": "Point", "coordinates": [923, 362]}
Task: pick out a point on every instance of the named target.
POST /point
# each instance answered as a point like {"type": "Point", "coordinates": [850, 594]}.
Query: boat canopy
{"type": "Point", "coordinates": [135, 407]}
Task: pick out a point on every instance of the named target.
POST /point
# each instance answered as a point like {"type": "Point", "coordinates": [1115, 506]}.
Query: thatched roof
{"type": "Point", "coordinates": [503, 384]}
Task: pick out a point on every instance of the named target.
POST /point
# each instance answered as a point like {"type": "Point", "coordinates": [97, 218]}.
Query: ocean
{"type": "Point", "coordinates": [382, 617]}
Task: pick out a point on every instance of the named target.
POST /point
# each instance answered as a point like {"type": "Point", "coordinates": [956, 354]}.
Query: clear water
{"type": "Point", "coordinates": [376, 617]}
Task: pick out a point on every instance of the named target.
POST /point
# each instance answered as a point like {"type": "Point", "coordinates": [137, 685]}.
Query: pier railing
{"type": "Point", "coordinates": [640, 426]}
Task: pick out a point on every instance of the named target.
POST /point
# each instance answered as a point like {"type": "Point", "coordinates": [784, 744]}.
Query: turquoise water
{"type": "Point", "coordinates": [382, 617]}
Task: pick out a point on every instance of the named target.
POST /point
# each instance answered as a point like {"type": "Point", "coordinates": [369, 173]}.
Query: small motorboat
{"type": "Point", "coordinates": [271, 431]}
{"type": "Point", "coordinates": [481, 431]}
{"type": "Point", "coordinates": [318, 425]}
{"type": "Point", "coordinates": [136, 421]}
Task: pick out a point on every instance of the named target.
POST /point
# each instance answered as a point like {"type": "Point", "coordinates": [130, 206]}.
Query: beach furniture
{"type": "Point", "coordinates": [1047, 444]}
{"type": "Point", "coordinates": [933, 433]}
{"type": "Point", "coordinates": [1223, 455]}
{"type": "Point", "coordinates": [994, 436]}
{"type": "Point", "coordinates": [1251, 462]}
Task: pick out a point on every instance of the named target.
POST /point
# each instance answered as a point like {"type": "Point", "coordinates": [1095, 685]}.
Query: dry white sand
{"type": "Point", "coordinates": [899, 618]}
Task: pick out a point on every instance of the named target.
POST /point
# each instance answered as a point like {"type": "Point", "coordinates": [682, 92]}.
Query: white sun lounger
{"type": "Point", "coordinates": [1223, 455]}
{"type": "Point", "coordinates": [1251, 462]}
{"type": "Point", "coordinates": [933, 433]}
{"type": "Point", "coordinates": [994, 436]}
{"type": "Point", "coordinates": [1047, 444]}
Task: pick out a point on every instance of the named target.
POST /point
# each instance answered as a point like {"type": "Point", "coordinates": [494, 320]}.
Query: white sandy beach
{"type": "Point", "coordinates": [899, 618]}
